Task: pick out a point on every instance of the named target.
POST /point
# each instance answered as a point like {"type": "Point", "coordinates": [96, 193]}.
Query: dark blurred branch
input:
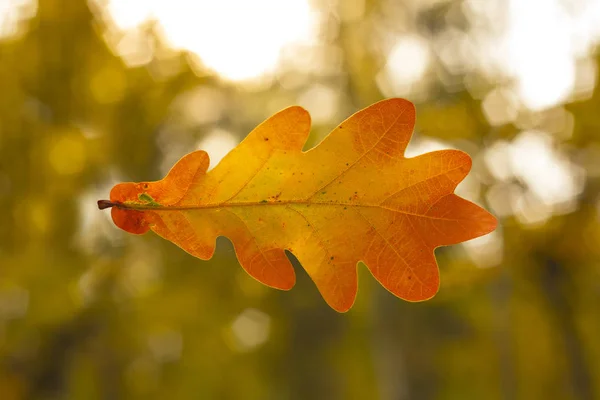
{"type": "Point", "coordinates": [554, 282]}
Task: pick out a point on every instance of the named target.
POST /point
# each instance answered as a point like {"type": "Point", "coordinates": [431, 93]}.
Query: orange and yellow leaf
{"type": "Point", "coordinates": [354, 197]}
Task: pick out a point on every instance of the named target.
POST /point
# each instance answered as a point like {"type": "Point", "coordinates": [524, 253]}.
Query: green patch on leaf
{"type": "Point", "coordinates": [148, 200]}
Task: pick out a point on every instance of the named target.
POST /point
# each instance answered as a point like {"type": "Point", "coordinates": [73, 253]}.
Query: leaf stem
{"type": "Point", "coordinates": [102, 204]}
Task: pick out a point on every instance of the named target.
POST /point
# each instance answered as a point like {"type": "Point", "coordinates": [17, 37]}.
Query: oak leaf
{"type": "Point", "coordinates": [354, 197]}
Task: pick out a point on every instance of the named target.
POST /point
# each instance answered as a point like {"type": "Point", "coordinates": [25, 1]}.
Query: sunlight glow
{"type": "Point", "coordinates": [548, 173]}
{"type": "Point", "coordinates": [128, 14]}
{"type": "Point", "coordinates": [12, 12]}
{"type": "Point", "coordinates": [421, 144]}
{"type": "Point", "coordinates": [237, 39]}
{"type": "Point", "coordinates": [321, 102]}
{"type": "Point", "coordinates": [536, 178]}
{"type": "Point", "coordinates": [539, 48]}
{"type": "Point", "coordinates": [407, 63]}
{"type": "Point", "coordinates": [540, 53]}
{"type": "Point", "coordinates": [217, 144]}
{"type": "Point", "coordinates": [486, 251]}
{"type": "Point", "coordinates": [500, 107]}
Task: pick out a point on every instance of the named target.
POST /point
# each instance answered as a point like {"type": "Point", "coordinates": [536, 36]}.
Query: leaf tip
{"type": "Point", "coordinates": [492, 222]}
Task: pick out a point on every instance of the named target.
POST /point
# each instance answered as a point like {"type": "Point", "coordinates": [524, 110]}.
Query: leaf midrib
{"type": "Point", "coordinates": [141, 207]}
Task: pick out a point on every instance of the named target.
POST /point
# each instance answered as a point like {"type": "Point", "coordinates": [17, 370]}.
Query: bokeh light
{"type": "Point", "coordinates": [237, 39]}
{"type": "Point", "coordinates": [12, 15]}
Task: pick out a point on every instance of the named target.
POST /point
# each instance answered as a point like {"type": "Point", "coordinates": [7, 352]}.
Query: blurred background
{"type": "Point", "coordinates": [98, 92]}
